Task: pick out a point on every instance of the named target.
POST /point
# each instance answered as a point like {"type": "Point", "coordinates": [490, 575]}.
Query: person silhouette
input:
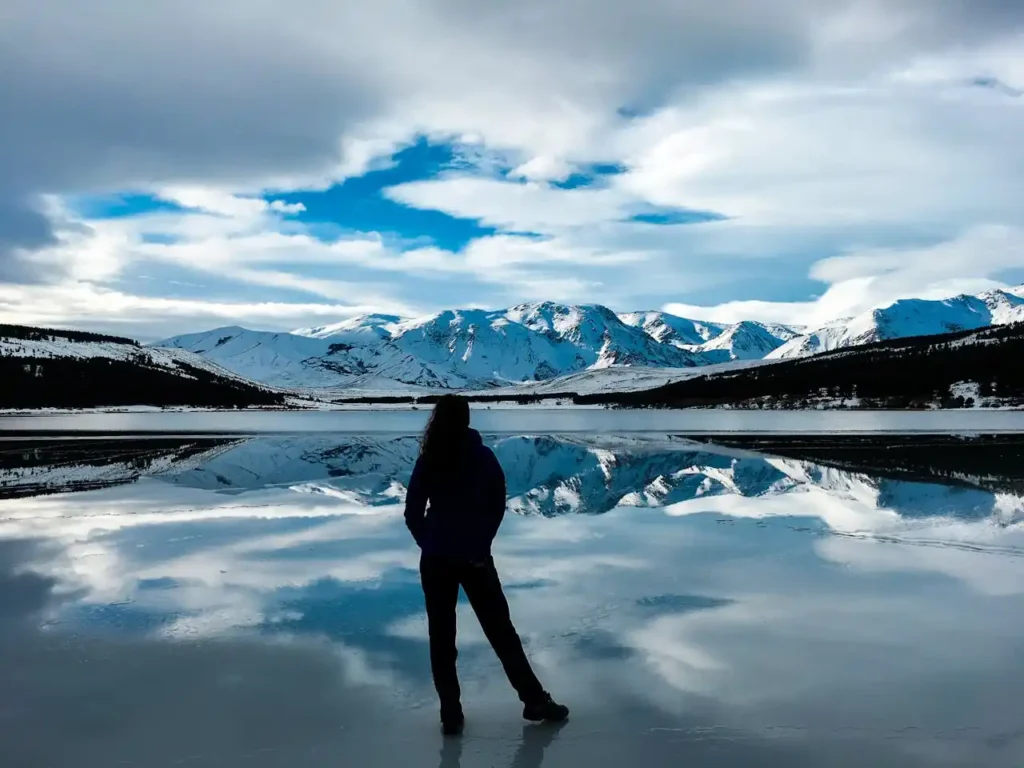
{"type": "Point", "coordinates": [463, 484]}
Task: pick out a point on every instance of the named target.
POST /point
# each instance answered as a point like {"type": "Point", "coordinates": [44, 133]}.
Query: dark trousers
{"type": "Point", "coordinates": [441, 578]}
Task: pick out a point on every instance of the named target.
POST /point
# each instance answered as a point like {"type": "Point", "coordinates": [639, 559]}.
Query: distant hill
{"type": "Point", "coordinates": [47, 368]}
{"type": "Point", "coordinates": [965, 369]}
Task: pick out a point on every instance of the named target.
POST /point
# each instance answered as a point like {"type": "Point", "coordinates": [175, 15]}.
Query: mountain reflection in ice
{"type": "Point", "coordinates": [254, 601]}
{"type": "Point", "coordinates": [546, 475]}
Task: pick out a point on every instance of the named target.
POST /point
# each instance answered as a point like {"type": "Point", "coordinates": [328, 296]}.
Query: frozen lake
{"type": "Point", "coordinates": [253, 601]}
{"type": "Point", "coordinates": [521, 420]}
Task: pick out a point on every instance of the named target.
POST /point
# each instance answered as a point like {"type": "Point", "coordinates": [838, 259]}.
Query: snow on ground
{"type": "Point", "coordinates": [968, 390]}
{"type": "Point", "coordinates": [619, 379]}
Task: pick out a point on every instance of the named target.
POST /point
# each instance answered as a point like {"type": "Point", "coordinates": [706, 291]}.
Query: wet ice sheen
{"type": "Point", "coordinates": [253, 601]}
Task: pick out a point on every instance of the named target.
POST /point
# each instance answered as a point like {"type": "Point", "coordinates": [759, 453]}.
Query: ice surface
{"type": "Point", "coordinates": [692, 605]}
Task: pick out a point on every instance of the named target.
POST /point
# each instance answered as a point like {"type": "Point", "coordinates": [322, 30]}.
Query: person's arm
{"type": "Point", "coordinates": [495, 494]}
{"type": "Point", "coordinates": [416, 502]}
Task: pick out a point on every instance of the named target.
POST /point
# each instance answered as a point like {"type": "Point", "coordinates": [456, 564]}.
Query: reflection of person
{"type": "Point", "coordinates": [529, 754]}
{"type": "Point", "coordinates": [451, 754]}
{"type": "Point", "coordinates": [463, 482]}
{"type": "Point", "coordinates": [536, 738]}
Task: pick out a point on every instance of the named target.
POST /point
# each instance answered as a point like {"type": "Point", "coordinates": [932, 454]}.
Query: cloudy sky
{"type": "Point", "coordinates": [174, 166]}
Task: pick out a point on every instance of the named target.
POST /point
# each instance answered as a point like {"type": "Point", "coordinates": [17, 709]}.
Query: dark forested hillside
{"type": "Point", "coordinates": [30, 333]}
{"type": "Point", "coordinates": [950, 371]}
{"type": "Point", "coordinates": [42, 368]}
{"type": "Point", "coordinates": [98, 382]}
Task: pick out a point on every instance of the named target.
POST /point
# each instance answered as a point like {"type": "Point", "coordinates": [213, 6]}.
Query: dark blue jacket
{"type": "Point", "coordinates": [466, 505]}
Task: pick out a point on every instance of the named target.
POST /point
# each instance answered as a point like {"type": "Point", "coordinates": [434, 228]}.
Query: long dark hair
{"type": "Point", "coordinates": [444, 439]}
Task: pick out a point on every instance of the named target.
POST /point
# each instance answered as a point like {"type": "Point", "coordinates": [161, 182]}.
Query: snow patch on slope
{"type": "Point", "coordinates": [745, 341]}
{"type": "Point", "coordinates": [669, 329]}
{"type": "Point", "coordinates": [355, 330]}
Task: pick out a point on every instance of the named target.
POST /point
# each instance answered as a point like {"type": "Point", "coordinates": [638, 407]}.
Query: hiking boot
{"type": "Point", "coordinates": [452, 723]}
{"type": "Point", "coordinates": [545, 709]}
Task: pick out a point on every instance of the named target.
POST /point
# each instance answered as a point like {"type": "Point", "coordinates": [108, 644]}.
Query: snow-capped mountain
{"type": "Point", "coordinates": [598, 335]}
{"type": "Point", "coordinates": [669, 329]}
{"type": "Point", "coordinates": [280, 355]}
{"type": "Point", "coordinates": [301, 362]}
{"type": "Point", "coordinates": [355, 330]}
{"type": "Point", "coordinates": [531, 343]}
{"type": "Point", "coordinates": [453, 349]}
{"type": "Point", "coordinates": [745, 340]}
{"type": "Point", "coordinates": [909, 317]}
{"type": "Point", "coordinates": [486, 348]}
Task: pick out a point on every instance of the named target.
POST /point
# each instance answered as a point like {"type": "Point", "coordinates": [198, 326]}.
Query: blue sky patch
{"type": "Point", "coordinates": [121, 206]}
{"type": "Point", "coordinates": [675, 216]}
{"type": "Point", "coordinates": [159, 238]}
{"type": "Point", "coordinates": [120, 619]}
{"type": "Point", "coordinates": [359, 205]}
{"type": "Point", "coordinates": [995, 84]}
{"type": "Point", "coordinates": [591, 176]}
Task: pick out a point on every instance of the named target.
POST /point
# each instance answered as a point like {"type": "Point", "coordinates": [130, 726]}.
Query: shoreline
{"type": "Point", "coordinates": [493, 406]}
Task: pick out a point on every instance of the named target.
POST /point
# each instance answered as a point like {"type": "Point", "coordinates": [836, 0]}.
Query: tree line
{"type": "Point", "coordinates": [101, 382]}
{"type": "Point", "coordinates": [908, 373]}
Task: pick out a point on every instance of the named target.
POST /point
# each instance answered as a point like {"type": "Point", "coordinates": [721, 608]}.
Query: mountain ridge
{"type": "Point", "coordinates": [909, 317]}
{"type": "Point", "coordinates": [453, 349]}
{"type": "Point", "coordinates": [531, 343]}
{"type": "Point", "coordinates": [468, 348]}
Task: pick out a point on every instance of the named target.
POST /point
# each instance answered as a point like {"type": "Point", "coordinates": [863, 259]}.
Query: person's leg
{"type": "Point", "coordinates": [441, 593]}
{"type": "Point", "coordinates": [483, 588]}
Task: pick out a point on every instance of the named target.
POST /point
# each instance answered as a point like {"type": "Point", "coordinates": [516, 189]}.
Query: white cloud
{"type": "Point", "coordinates": [846, 167]}
{"type": "Point", "coordinates": [521, 207]}
{"type": "Point", "coordinates": [859, 282]}
{"type": "Point", "coordinates": [865, 153]}
{"type": "Point", "coordinates": [223, 236]}
{"type": "Point", "coordinates": [978, 253]}
{"type": "Point", "coordinates": [832, 126]}
{"type": "Point", "coordinates": [542, 168]}
{"type": "Point", "coordinates": [154, 317]}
